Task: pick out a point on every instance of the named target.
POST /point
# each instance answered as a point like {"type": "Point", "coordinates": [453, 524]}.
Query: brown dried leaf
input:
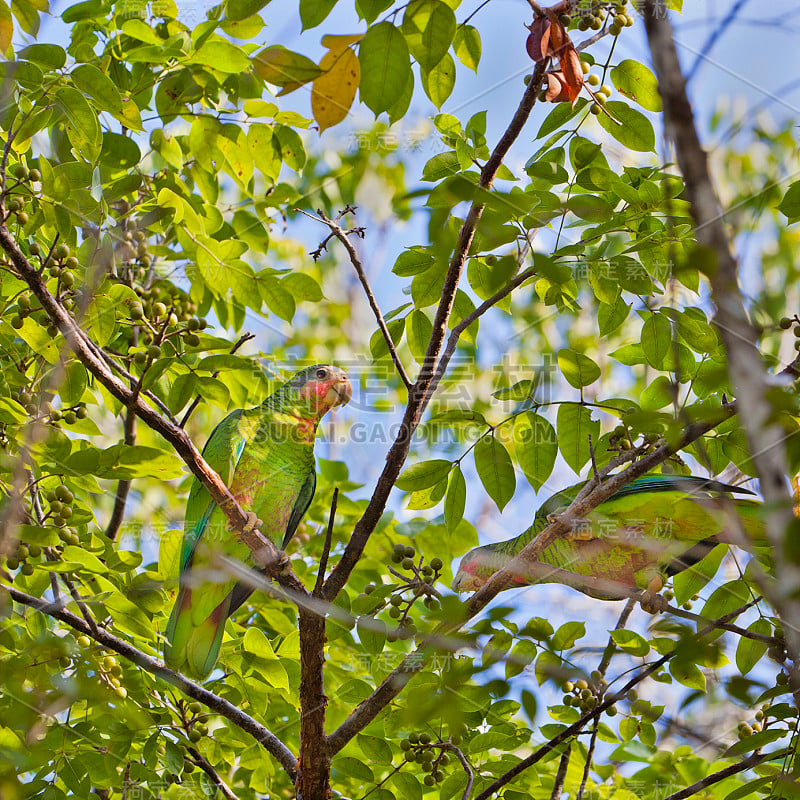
{"type": "Point", "coordinates": [538, 43]}
{"type": "Point", "coordinates": [559, 37]}
{"type": "Point", "coordinates": [557, 90]}
{"type": "Point", "coordinates": [573, 74]}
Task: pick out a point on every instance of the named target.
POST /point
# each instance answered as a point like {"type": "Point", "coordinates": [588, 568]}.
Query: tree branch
{"type": "Point", "coordinates": [90, 355]}
{"type": "Point", "coordinates": [745, 366]}
{"type": "Point", "coordinates": [753, 760]}
{"type": "Point", "coordinates": [418, 394]}
{"type": "Point", "coordinates": [342, 236]}
{"type": "Point", "coordinates": [124, 486]}
{"type": "Point", "coordinates": [199, 760]}
{"type": "Point", "coordinates": [262, 735]}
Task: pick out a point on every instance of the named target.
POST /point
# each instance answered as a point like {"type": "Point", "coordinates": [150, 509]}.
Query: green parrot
{"type": "Point", "coordinates": [265, 455]}
{"type": "Point", "coordinates": [650, 529]}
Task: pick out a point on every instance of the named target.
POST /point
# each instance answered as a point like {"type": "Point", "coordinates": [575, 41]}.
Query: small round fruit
{"type": "Point", "coordinates": [159, 309]}
{"type": "Point", "coordinates": [64, 494]}
{"type": "Point", "coordinates": [394, 612]}
{"type": "Point", "coordinates": [407, 563]}
{"type": "Point", "coordinates": [81, 412]}
{"type": "Point", "coordinates": [137, 312]}
{"type": "Point", "coordinates": [139, 358]}
{"type": "Point", "coordinates": [369, 588]}
{"type": "Point", "coordinates": [17, 322]}
{"type": "Point", "coordinates": [192, 339]}
{"type": "Point", "coordinates": [62, 251]}
{"type": "Point", "coordinates": [35, 175]}
{"type": "Point", "coordinates": [424, 738]}
{"type": "Point", "coordinates": [20, 172]}
{"type": "Point", "coordinates": [35, 550]}
{"type": "Point", "coordinates": [67, 279]}
{"type": "Point", "coordinates": [24, 302]}
{"type": "Point", "coordinates": [195, 736]}
{"type": "Point", "coordinates": [396, 600]}
{"type": "Point", "coordinates": [70, 417]}
{"type": "Point", "coordinates": [429, 780]}
{"type": "Point", "coordinates": [84, 641]}
{"type": "Point", "coordinates": [436, 564]}
{"type": "Point", "coordinates": [595, 109]}
{"type": "Point", "coordinates": [154, 351]}
{"type": "Point", "coordinates": [35, 249]}
{"type": "Point", "coordinates": [593, 80]}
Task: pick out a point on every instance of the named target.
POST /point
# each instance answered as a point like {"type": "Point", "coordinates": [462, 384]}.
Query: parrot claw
{"type": "Point", "coordinates": [652, 602]}
{"type": "Point", "coordinates": [253, 523]}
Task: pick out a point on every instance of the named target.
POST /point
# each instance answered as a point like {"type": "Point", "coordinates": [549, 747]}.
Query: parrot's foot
{"type": "Point", "coordinates": [651, 601]}
{"type": "Point", "coordinates": [253, 522]}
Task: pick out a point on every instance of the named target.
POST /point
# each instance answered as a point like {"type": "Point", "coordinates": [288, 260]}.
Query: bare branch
{"type": "Point", "coordinates": [124, 486]}
{"type": "Point", "coordinates": [753, 760]}
{"type": "Point", "coordinates": [418, 394]}
{"type": "Point", "coordinates": [326, 549]}
{"type": "Point", "coordinates": [746, 367]}
{"type": "Point", "coordinates": [262, 735]}
{"type": "Point", "coordinates": [342, 235]}
{"type": "Point", "coordinates": [200, 761]}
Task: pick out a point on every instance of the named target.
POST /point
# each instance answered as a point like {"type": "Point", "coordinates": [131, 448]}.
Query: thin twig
{"type": "Point", "coordinates": [124, 486]}
{"type": "Point", "coordinates": [326, 549]}
{"type": "Point", "coordinates": [465, 765]}
{"type": "Point", "coordinates": [561, 773]}
{"type": "Point", "coordinates": [752, 760]}
{"type": "Point", "coordinates": [342, 236]}
{"type": "Point", "coordinates": [200, 761]}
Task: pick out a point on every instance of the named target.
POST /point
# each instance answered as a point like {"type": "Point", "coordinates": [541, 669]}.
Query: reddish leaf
{"type": "Point", "coordinates": [557, 89]}
{"type": "Point", "coordinates": [573, 74]}
{"type": "Point", "coordinates": [559, 38]}
{"type": "Point", "coordinates": [538, 43]}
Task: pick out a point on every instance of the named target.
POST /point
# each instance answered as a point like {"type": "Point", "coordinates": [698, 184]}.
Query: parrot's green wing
{"type": "Point", "coordinates": [194, 628]}
{"type": "Point", "coordinates": [300, 507]}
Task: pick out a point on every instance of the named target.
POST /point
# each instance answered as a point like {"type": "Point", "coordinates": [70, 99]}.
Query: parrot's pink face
{"type": "Point", "coordinates": [325, 388]}
{"type": "Point", "coordinates": [472, 573]}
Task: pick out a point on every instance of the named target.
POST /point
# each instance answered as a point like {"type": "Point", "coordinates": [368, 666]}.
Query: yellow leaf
{"type": "Point", "coordinates": [338, 43]}
{"type": "Point", "coordinates": [6, 27]}
{"type": "Point", "coordinates": [333, 92]}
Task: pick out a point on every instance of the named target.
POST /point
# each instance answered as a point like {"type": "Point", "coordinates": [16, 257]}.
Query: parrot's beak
{"type": "Point", "coordinates": [340, 392]}
{"type": "Point", "coordinates": [465, 582]}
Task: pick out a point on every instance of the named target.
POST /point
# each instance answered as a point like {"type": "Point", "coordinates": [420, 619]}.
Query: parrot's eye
{"type": "Point", "coordinates": [322, 373]}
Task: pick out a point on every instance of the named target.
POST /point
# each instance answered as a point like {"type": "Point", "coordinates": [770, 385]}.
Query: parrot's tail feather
{"type": "Point", "coordinates": [194, 648]}
{"type": "Point", "coordinates": [202, 649]}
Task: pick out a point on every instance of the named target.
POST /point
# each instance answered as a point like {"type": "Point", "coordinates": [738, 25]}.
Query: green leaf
{"type": "Point", "coordinates": [385, 67]}
{"type": "Point", "coordinates": [535, 447]}
{"type": "Point", "coordinates": [375, 749]}
{"type": "Point", "coordinates": [577, 368]}
{"type": "Point", "coordinates": [688, 583]}
{"type": "Point", "coordinates": [88, 561]}
{"type": "Point", "coordinates": [790, 203]}
{"type": "Point", "coordinates": [611, 316]}
{"type": "Point", "coordinates": [222, 55]}
{"type": "Point", "coordinates": [688, 674]}
{"type": "Point", "coordinates": [495, 470]}
{"type": "Point", "coordinates": [749, 651]}
{"type": "Point", "coordinates": [754, 742]}
{"type": "Point", "coordinates": [442, 165]}
{"type": "Point", "coordinates": [256, 642]}
{"type": "Point", "coordinates": [656, 339]}
{"type": "Point", "coordinates": [455, 499]}
{"type": "Point", "coordinates": [97, 85]}
{"type": "Point", "coordinates": [658, 393]}
{"type": "Point", "coordinates": [438, 81]}
{"type": "Point", "coordinates": [631, 642]}
{"type": "Point", "coordinates": [50, 56]}
{"type": "Point", "coordinates": [569, 633]}
{"type": "Point", "coordinates": [575, 426]}
{"type": "Point", "coordinates": [632, 129]}
{"type": "Point", "coordinates": [11, 411]}
{"type": "Point", "coordinates": [242, 9]}
{"type": "Point", "coordinates": [423, 474]}
{"type": "Point", "coordinates": [73, 384]}
{"type": "Point", "coordinates": [282, 67]}
{"type": "Point", "coordinates": [405, 784]}
{"type": "Point", "coordinates": [314, 12]}
{"type": "Point", "coordinates": [638, 83]}
{"type": "Point", "coordinates": [371, 633]}
{"type": "Point", "coordinates": [418, 334]}
{"type": "Point", "coordinates": [83, 127]}
{"type": "Point", "coordinates": [725, 599]}
{"type": "Point", "coordinates": [467, 46]}
{"type": "Point", "coordinates": [181, 391]}
{"type": "Point", "coordinates": [412, 262]}
{"type": "Point", "coordinates": [429, 27]}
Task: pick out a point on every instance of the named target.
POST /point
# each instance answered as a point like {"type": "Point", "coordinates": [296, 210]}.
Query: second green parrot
{"type": "Point", "coordinates": [265, 455]}
{"type": "Point", "coordinates": [652, 528]}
